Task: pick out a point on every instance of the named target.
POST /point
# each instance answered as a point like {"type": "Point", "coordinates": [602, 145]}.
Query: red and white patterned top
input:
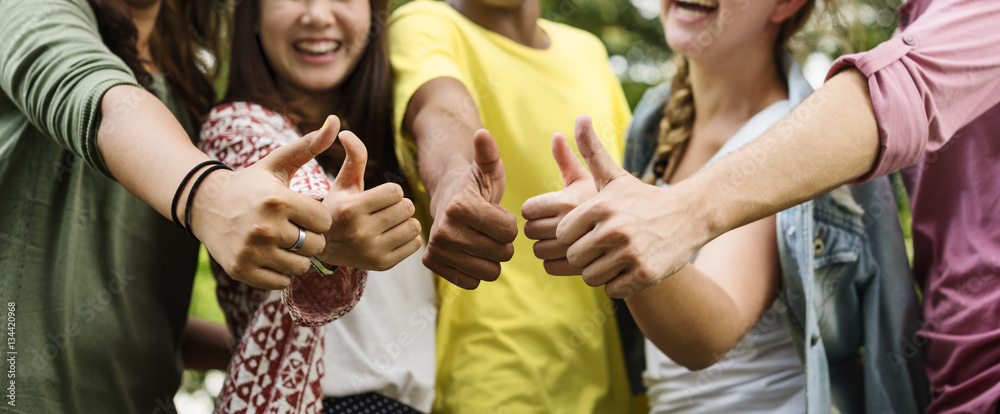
{"type": "Point", "coordinates": [278, 364]}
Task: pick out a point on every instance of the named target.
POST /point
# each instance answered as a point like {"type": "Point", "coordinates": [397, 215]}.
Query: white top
{"type": "Point", "coordinates": [762, 373]}
{"type": "Point", "coordinates": [386, 344]}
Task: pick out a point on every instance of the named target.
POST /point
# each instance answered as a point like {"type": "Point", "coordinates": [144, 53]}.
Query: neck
{"type": "Point", "coordinates": [519, 23]}
{"type": "Point", "coordinates": [736, 89]}
{"type": "Point", "coordinates": [144, 17]}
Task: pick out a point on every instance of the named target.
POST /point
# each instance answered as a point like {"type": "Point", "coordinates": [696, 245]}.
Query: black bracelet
{"type": "Point", "coordinates": [190, 200]}
{"type": "Point", "coordinates": [180, 189]}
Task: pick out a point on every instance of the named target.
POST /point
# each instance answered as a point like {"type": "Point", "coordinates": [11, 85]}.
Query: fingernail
{"type": "Point", "coordinates": [325, 123]}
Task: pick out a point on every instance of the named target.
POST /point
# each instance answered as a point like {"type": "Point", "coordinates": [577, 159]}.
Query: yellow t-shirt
{"type": "Point", "coordinates": [529, 342]}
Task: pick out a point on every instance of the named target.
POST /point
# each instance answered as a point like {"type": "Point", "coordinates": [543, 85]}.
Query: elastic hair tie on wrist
{"type": "Point", "coordinates": [191, 194]}
{"type": "Point", "coordinates": [180, 189]}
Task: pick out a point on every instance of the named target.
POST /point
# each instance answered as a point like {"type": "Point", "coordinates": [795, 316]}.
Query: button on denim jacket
{"type": "Point", "coordinates": [852, 305]}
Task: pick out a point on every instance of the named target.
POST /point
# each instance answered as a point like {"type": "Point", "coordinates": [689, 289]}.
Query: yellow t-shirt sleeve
{"type": "Point", "coordinates": [423, 45]}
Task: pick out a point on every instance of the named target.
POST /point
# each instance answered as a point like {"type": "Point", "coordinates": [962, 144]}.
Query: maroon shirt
{"type": "Point", "coordinates": [935, 87]}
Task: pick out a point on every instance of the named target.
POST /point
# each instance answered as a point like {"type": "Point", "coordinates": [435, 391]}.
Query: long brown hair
{"type": "Point", "coordinates": [678, 115]}
{"type": "Point", "coordinates": [365, 96]}
{"type": "Point", "coordinates": [184, 46]}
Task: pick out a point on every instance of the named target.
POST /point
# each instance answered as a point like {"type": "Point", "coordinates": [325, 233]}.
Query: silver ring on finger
{"type": "Point", "coordinates": [301, 241]}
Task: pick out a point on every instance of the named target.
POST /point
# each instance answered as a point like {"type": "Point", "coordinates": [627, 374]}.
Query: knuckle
{"type": "Point", "coordinates": [238, 271]}
{"type": "Point", "coordinates": [539, 250]}
{"type": "Point", "coordinates": [471, 284]}
{"type": "Point", "coordinates": [432, 261]}
{"type": "Point", "coordinates": [283, 283]}
{"type": "Point", "coordinates": [303, 267]}
{"type": "Point", "coordinates": [273, 202]}
{"type": "Point", "coordinates": [456, 208]}
{"type": "Point", "coordinates": [600, 205]}
{"type": "Point", "coordinates": [633, 254]}
{"type": "Point", "coordinates": [396, 191]}
{"type": "Point", "coordinates": [341, 215]}
{"type": "Point", "coordinates": [260, 231]}
{"type": "Point", "coordinates": [491, 274]}
{"type": "Point", "coordinates": [615, 292]}
{"type": "Point", "coordinates": [590, 279]}
{"type": "Point", "coordinates": [414, 226]}
{"type": "Point", "coordinates": [441, 236]}
{"type": "Point", "coordinates": [645, 276]}
{"type": "Point", "coordinates": [507, 253]}
{"type": "Point", "coordinates": [574, 260]}
{"type": "Point", "coordinates": [564, 206]}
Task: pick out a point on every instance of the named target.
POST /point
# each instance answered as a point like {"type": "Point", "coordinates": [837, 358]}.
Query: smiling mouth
{"type": "Point", "coordinates": [696, 9]}
{"type": "Point", "coordinates": [317, 47]}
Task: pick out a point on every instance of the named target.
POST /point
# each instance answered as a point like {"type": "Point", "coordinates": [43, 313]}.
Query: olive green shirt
{"type": "Point", "coordinates": [98, 281]}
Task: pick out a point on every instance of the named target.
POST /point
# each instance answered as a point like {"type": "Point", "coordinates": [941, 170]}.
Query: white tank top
{"type": "Point", "coordinates": [762, 373]}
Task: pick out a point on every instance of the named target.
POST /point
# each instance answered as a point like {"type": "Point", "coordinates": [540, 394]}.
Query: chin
{"type": "Point", "coordinates": [686, 44]}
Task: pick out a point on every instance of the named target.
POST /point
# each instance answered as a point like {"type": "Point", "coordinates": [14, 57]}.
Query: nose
{"type": "Point", "coordinates": [318, 13]}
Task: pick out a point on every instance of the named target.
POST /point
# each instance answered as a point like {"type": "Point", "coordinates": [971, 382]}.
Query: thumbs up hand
{"type": "Point", "coordinates": [471, 234]}
{"type": "Point", "coordinates": [371, 229]}
{"type": "Point", "coordinates": [544, 212]}
{"type": "Point", "coordinates": [623, 237]}
{"type": "Point", "coordinates": [248, 219]}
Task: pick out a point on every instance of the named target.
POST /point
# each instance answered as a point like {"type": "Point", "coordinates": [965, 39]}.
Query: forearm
{"type": "Point", "coordinates": [443, 133]}
{"type": "Point", "coordinates": [146, 149]}
{"type": "Point", "coordinates": [828, 140]}
{"type": "Point", "coordinates": [689, 317]}
{"type": "Point", "coordinates": [206, 345]}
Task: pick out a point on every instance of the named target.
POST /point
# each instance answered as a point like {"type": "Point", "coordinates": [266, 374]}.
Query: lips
{"type": "Point", "coordinates": [317, 47]}
{"type": "Point", "coordinates": [691, 10]}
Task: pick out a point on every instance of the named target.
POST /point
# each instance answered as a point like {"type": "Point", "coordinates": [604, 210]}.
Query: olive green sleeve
{"type": "Point", "coordinates": [55, 69]}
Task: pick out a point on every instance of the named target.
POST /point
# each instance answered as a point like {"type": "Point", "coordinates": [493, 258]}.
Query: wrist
{"type": "Point", "coordinates": [441, 193]}
{"type": "Point", "coordinates": [708, 215]}
{"type": "Point", "coordinates": [205, 198]}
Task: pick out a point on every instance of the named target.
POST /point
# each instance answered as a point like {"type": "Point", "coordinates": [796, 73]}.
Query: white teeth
{"type": "Point", "coordinates": [693, 14]}
{"type": "Point", "coordinates": [702, 3]}
{"type": "Point", "coordinates": [318, 48]}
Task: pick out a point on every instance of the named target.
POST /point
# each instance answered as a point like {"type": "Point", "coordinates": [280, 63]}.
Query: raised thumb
{"type": "Point", "coordinates": [602, 166]}
{"type": "Point", "coordinates": [570, 166]}
{"type": "Point", "coordinates": [487, 158]}
{"type": "Point", "coordinates": [352, 172]}
{"type": "Point", "coordinates": [286, 160]}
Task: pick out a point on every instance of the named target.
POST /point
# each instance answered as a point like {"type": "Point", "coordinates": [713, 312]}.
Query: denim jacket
{"type": "Point", "coordinates": [852, 305]}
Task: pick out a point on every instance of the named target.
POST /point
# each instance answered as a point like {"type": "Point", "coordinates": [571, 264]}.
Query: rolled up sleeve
{"type": "Point", "coordinates": [932, 78]}
{"type": "Point", "coordinates": [55, 68]}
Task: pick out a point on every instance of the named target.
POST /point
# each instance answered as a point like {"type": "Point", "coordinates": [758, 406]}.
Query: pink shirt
{"type": "Point", "coordinates": [935, 87]}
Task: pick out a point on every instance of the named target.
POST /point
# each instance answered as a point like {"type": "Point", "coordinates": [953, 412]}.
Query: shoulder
{"type": "Point", "coordinates": [579, 39]}
{"type": "Point", "coordinates": [61, 10]}
{"type": "Point", "coordinates": [427, 16]}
